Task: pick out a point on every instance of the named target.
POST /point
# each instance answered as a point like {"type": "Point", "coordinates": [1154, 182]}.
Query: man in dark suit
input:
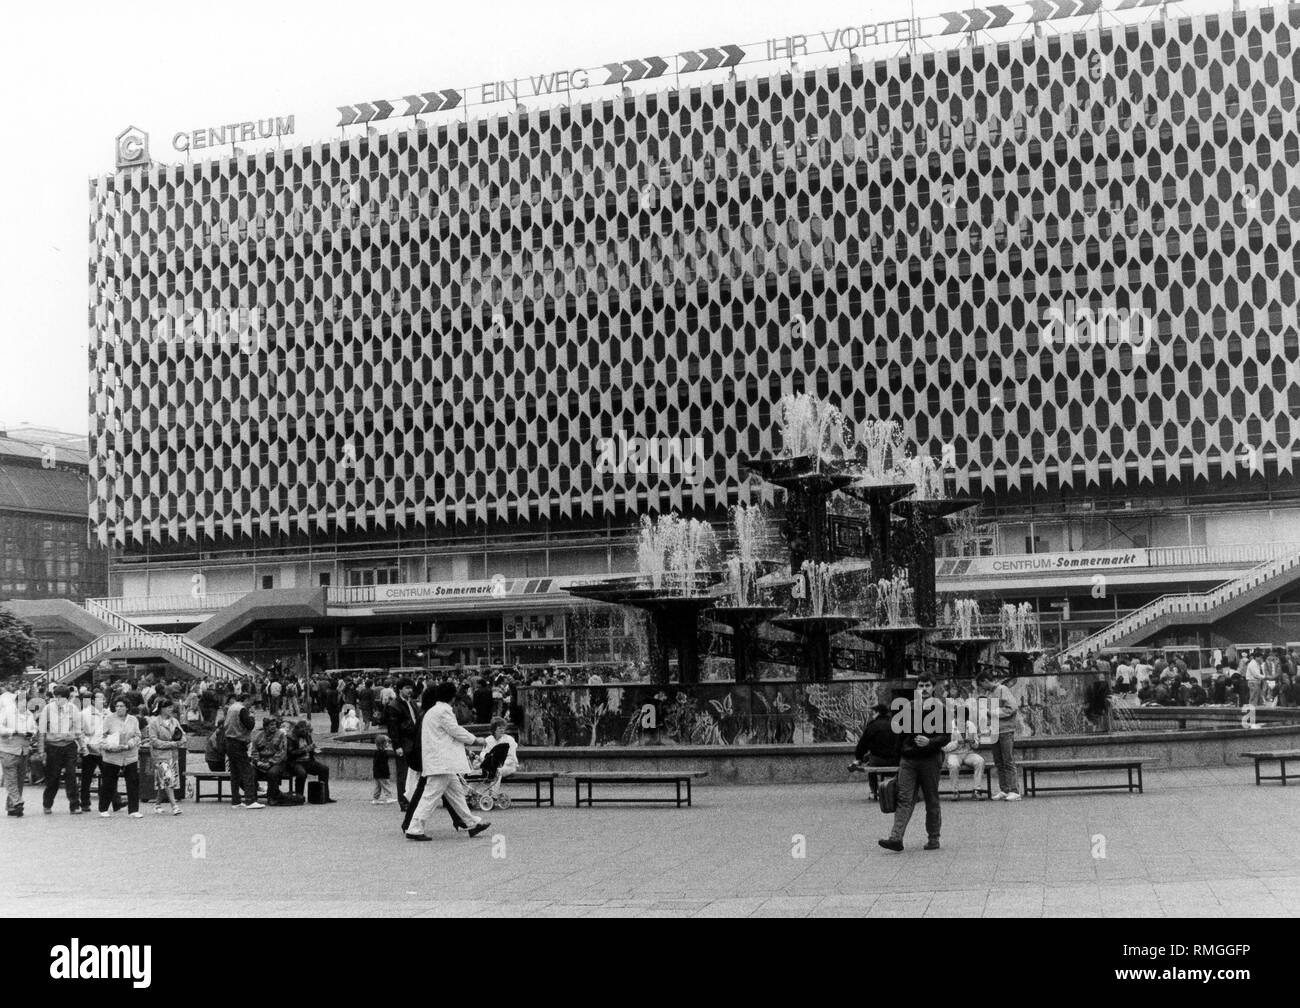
{"type": "Point", "coordinates": [402, 719]}
{"type": "Point", "coordinates": [333, 704]}
{"type": "Point", "coordinates": [483, 702]}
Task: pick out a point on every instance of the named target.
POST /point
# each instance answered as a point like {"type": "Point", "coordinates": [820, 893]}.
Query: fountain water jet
{"type": "Point", "coordinates": [745, 611]}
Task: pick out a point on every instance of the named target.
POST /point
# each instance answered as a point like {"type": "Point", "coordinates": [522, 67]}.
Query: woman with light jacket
{"type": "Point", "coordinates": [120, 752]}
{"type": "Point", "coordinates": [93, 716]}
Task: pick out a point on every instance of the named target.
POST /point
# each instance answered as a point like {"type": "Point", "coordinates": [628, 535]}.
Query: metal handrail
{"type": "Point", "coordinates": [129, 635]}
{"type": "Point", "coordinates": [1192, 602]}
{"type": "Point", "coordinates": [177, 602]}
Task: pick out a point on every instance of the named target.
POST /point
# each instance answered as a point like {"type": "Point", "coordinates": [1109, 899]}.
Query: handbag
{"type": "Point", "coordinates": [888, 796]}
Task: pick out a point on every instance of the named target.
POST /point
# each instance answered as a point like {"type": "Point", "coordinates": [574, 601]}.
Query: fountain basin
{"type": "Point", "coordinates": [961, 643]}
{"type": "Point", "coordinates": [734, 616]}
{"type": "Point", "coordinates": [807, 626]}
{"type": "Point", "coordinates": [802, 472]}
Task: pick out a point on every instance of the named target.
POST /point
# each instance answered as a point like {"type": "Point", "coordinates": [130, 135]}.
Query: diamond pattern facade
{"type": "Point", "coordinates": [438, 326]}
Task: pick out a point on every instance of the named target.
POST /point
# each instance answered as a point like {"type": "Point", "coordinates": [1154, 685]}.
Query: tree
{"type": "Point", "coordinates": [18, 645]}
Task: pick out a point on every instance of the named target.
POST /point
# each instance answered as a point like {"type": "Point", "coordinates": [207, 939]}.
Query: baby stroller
{"type": "Point", "coordinates": [482, 782]}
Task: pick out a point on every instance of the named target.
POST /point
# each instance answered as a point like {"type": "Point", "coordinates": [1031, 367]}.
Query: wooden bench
{"type": "Point", "coordinates": [200, 777]}
{"type": "Point", "coordinates": [945, 786]}
{"type": "Point", "coordinates": [965, 770]}
{"type": "Point", "coordinates": [1280, 758]}
{"type": "Point", "coordinates": [537, 779]}
{"type": "Point", "coordinates": [1030, 769]}
{"type": "Point", "coordinates": [674, 777]}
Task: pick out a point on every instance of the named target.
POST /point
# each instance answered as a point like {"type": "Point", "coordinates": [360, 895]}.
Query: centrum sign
{"type": "Point", "coordinates": [1091, 560]}
{"type": "Point", "coordinates": [498, 587]}
{"type": "Point", "coordinates": [232, 133]}
{"type": "Point", "coordinates": [1045, 563]}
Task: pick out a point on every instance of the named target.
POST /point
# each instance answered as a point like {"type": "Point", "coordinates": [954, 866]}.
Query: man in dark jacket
{"type": "Point", "coordinates": [925, 729]}
{"type": "Point", "coordinates": [269, 752]}
{"type": "Point", "coordinates": [402, 720]}
{"type": "Point", "coordinates": [483, 702]}
{"type": "Point", "coordinates": [333, 705]}
{"type": "Point", "coordinates": [877, 746]}
{"type": "Point", "coordinates": [302, 750]}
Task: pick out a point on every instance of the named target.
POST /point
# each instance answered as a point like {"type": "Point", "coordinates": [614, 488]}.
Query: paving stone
{"type": "Point", "coordinates": [1200, 845]}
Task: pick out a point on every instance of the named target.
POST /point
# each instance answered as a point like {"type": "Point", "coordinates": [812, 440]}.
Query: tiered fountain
{"type": "Point", "coordinates": [818, 617]}
{"type": "Point", "coordinates": [829, 594]}
{"type": "Point", "coordinates": [743, 608]}
{"type": "Point", "coordinates": [891, 622]}
{"type": "Point", "coordinates": [674, 583]}
{"type": "Point", "coordinates": [880, 484]}
{"type": "Point", "coordinates": [809, 468]}
{"type": "Point", "coordinates": [921, 514]}
{"type": "Point", "coordinates": [959, 632]}
{"type": "Point", "coordinates": [1021, 637]}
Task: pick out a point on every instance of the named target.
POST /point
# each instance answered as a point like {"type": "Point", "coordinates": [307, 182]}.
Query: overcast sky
{"type": "Point", "coordinates": [74, 75]}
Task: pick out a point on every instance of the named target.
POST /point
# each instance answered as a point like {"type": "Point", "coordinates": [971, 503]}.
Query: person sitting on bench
{"type": "Point", "coordinates": [877, 746]}
{"type": "Point", "coordinates": [960, 751]}
{"type": "Point", "coordinates": [269, 751]}
{"type": "Point", "coordinates": [303, 761]}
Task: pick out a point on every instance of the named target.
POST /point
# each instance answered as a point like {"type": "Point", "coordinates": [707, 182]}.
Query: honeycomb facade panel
{"type": "Point", "coordinates": [439, 327]}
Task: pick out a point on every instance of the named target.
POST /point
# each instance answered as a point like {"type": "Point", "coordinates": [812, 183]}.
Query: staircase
{"type": "Point", "coordinates": [1206, 607]}
{"type": "Point", "coordinates": [178, 649]}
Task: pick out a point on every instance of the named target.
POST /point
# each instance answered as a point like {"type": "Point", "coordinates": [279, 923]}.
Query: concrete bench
{"type": "Point", "coordinates": [1281, 758]}
{"type": "Point", "coordinates": [648, 777]}
{"type": "Point", "coordinates": [1030, 769]}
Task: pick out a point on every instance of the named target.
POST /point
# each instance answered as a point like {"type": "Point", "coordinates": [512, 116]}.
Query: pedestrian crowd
{"type": "Point", "coordinates": [68, 737]}
{"type": "Point", "coordinates": [1261, 677]}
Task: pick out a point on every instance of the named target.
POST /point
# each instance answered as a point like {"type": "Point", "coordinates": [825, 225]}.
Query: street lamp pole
{"type": "Point", "coordinates": [306, 632]}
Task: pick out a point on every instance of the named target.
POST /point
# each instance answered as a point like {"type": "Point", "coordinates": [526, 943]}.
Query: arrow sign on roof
{"type": "Point", "coordinates": [735, 54]}
{"type": "Point", "coordinates": [414, 104]}
{"type": "Point", "coordinates": [956, 22]}
{"type": "Point", "coordinates": [616, 73]}
{"type": "Point", "coordinates": [979, 19]}
{"type": "Point", "coordinates": [383, 109]}
{"type": "Point", "coordinates": [347, 115]}
{"type": "Point", "coordinates": [1042, 10]}
{"type": "Point", "coordinates": [636, 70]}
{"type": "Point", "coordinates": [365, 112]}
{"type": "Point", "coordinates": [691, 61]}
{"type": "Point", "coordinates": [1001, 16]}
{"type": "Point", "coordinates": [712, 59]}
{"type": "Point", "coordinates": [1088, 7]}
{"type": "Point", "coordinates": [450, 98]}
{"type": "Point", "coordinates": [657, 66]}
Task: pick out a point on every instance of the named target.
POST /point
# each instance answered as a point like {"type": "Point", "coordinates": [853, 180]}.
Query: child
{"type": "Point", "coordinates": [383, 790]}
{"type": "Point", "coordinates": [165, 736]}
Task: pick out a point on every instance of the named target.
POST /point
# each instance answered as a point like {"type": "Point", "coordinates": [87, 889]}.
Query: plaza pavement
{"type": "Point", "coordinates": [1198, 843]}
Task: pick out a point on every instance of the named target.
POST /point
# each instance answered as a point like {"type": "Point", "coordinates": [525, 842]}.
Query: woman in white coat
{"type": "Point", "coordinates": [442, 761]}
